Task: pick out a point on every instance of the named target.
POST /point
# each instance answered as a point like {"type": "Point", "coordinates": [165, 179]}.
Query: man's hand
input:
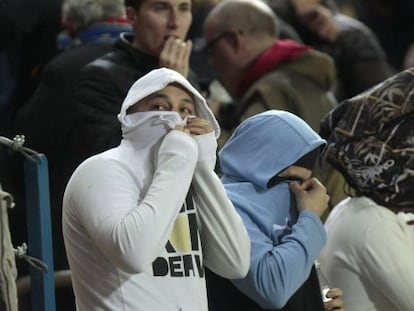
{"type": "Point", "coordinates": [181, 128]}
{"type": "Point", "coordinates": [310, 195]}
{"type": "Point", "coordinates": [176, 55]}
{"type": "Point", "coordinates": [336, 303]}
{"type": "Point", "coordinates": [198, 126]}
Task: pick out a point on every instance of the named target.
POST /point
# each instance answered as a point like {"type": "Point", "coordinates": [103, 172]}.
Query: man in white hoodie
{"type": "Point", "coordinates": [141, 220]}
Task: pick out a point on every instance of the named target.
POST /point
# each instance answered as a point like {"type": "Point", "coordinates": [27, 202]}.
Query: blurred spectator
{"type": "Point", "coordinates": [28, 30]}
{"type": "Point", "coordinates": [93, 25]}
{"type": "Point", "coordinates": [263, 72]}
{"type": "Point", "coordinates": [369, 251]}
{"type": "Point", "coordinates": [198, 62]}
{"type": "Point", "coordinates": [267, 168]}
{"type": "Point", "coordinates": [359, 58]}
{"type": "Point", "coordinates": [391, 21]}
{"type": "Point", "coordinates": [158, 39]}
{"type": "Point", "coordinates": [90, 21]}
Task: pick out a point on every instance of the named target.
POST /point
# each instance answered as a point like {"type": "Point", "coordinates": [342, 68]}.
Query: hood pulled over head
{"type": "Point", "coordinates": [266, 144]}
{"type": "Point", "coordinates": [371, 140]}
{"type": "Point", "coordinates": [156, 80]}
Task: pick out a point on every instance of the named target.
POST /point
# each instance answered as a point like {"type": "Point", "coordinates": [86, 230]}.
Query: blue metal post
{"type": "Point", "coordinates": [39, 232]}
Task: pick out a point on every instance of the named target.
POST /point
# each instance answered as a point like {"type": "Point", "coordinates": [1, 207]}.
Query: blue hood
{"type": "Point", "coordinates": [284, 243]}
{"type": "Point", "coordinates": [266, 144]}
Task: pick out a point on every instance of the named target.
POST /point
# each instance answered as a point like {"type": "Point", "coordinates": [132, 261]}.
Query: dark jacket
{"type": "Point", "coordinates": [224, 296]}
{"type": "Point", "coordinates": [46, 120]}
{"type": "Point", "coordinates": [100, 92]}
{"type": "Point", "coordinates": [101, 89]}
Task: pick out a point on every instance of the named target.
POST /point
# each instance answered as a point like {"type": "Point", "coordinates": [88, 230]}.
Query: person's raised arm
{"type": "Point", "coordinates": [226, 243]}
{"type": "Point", "coordinates": [129, 227]}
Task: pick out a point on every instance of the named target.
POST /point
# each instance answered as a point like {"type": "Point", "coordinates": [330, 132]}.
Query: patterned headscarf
{"type": "Point", "coordinates": [371, 141]}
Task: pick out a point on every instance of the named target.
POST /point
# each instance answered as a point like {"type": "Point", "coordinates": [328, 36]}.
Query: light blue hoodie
{"type": "Point", "coordinates": [284, 244]}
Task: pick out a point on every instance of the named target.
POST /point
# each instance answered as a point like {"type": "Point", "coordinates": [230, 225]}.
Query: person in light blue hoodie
{"type": "Point", "coordinates": [267, 167]}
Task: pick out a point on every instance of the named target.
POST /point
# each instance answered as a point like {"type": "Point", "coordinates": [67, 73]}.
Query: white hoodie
{"type": "Point", "coordinates": [135, 240]}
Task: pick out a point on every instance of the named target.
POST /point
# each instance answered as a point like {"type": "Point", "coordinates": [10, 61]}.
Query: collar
{"type": "Point", "coordinates": [283, 50]}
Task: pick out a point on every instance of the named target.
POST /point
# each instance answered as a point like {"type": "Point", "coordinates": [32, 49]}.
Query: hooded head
{"type": "Point", "coordinates": [266, 144]}
{"type": "Point", "coordinates": [371, 141]}
{"type": "Point", "coordinates": [154, 81]}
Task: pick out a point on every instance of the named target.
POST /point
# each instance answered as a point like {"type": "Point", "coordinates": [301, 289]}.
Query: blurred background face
{"type": "Point", "coordinates": [221, 54]}
{"type": "Point", "coordinates": [156, 20]}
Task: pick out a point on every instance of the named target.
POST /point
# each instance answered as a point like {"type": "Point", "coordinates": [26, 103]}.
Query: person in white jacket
{"type": "Point", "coordinates": [369, 251]}
{"type": "Point", "coordinates": [141, 220]}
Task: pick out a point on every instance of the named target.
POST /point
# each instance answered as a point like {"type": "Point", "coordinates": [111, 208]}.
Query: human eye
{"type": "Point", "coordinates": [160, 6]}
{"type": "Point", "coordinates": [185, 7]}
{"type": "Point", "coordinates": [159, 107]}
{"type": "Point", "coordinates": [158, 104]}
{"type": "Point", "coordinates": [188, 110]}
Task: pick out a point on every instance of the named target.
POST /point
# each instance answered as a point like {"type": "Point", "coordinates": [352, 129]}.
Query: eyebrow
{"type": "Point", "coordinates": [161, 95]}
{"type": "Point", "coordinates": [156, 95]}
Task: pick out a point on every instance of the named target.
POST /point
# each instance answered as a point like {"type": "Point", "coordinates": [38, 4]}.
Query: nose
{"type": "Point", "coordinates": [181, 113]}
{"type": "Point", "coordinates": [172, 19]}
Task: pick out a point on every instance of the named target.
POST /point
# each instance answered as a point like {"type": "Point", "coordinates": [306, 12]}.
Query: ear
{"type": "Point", "coordinates": [131, 14]}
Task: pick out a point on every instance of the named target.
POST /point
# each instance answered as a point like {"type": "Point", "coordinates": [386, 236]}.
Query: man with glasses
{"type": "Point", "coordinates": [264, 72]}
{"type": "Point", "coordinates": [261, 71]}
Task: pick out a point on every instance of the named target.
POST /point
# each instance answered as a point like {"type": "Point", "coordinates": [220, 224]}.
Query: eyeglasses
{"type": "Point", "coordinates": [209, 46]}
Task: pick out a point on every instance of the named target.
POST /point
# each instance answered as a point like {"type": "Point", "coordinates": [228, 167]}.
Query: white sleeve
{"type": "Point", "coordinates": [226, 244]}
{"type": "Point", "coordinates": [129, 233]}
{"type": "Point", "coordinates": [387, 256]}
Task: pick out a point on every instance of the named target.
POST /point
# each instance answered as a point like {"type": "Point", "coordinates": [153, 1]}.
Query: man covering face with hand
{"type": "Point", "coordinates": [158, 40]}
{"type": "Point", "coordinates": [141, 220]}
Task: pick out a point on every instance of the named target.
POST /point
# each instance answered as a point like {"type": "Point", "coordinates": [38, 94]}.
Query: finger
{"type": "Point", "coordinates": [179, 127]}
{"type": "Point", "coordinates": [309, 183]}
{"type": "Point", "coordinates": [334, 304]}
{"type": "Point", "coordinates": [182, 129]}
{"type": "Point", "coordinates": [167, 56]}
{"type": "Point", "coordinates": [187, 51]}
{"type": "Point", "coordinates": [176, 55]}
{"type": "Point", "coordinates": [200, 129]}
{"type": "Point", "coordinates": [182, 57]}
{"type": "Point", "coordinates": [167, 48]}
{"type": "Point", "coordinates": [198, 122]}
{"type": "Point", "coordinates": [337, 302]}
{"type": "Point", "coordinates": [180, 51]}
{"type": "Point", "coordinates": [295, 187]}
{"type": "Point", "coordinates": [334, 293]}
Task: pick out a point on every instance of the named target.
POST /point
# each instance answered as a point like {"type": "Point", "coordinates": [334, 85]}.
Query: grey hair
{"type": "Point", "coordinates": [85, 12]}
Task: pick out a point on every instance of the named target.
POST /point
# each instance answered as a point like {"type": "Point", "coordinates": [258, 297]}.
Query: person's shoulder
{"type": "Point", "coordinates": [100, 163]}
{"type": "Point", "coordinates": [104, 62]}
{"type": "Point", "coordinates": [349, 24]}
{"type": "Point", "coordinates": [313, 65]}
{"type": "Point", "coordinates": [74, 59]}
{"type": "Point", "coordinates": [102, 68]}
